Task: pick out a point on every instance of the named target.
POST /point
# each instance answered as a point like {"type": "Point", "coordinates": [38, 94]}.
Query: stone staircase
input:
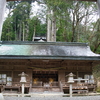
{"type": "Point", "coordinates": [33, 90]}
{"type": "Point", "coordinates": [56, 90]}
{"type": "Point", "coordinates": [36, 90]}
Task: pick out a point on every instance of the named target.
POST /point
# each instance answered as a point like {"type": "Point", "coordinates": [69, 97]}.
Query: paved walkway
{"type": "Point", "coordinates": [51, 96]}
{"type": "Point", "coordinates": [54, 98]}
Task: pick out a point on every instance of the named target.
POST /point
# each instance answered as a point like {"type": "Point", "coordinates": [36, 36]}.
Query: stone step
{"type": "Point", "coordinates": [43, 89]}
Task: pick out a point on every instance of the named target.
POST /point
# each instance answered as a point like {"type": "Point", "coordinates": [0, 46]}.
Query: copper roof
{"type": "Point", "coordinates": [61, 50]}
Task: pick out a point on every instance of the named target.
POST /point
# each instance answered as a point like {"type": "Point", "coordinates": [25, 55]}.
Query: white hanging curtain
{"type": "Point", "coordinates": [2, 11]}
{"type": "Point", "coordinates": [98, 2]}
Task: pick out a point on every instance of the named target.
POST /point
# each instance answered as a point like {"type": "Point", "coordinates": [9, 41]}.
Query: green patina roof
{"type": "Point", "coordinates": [44, 50]}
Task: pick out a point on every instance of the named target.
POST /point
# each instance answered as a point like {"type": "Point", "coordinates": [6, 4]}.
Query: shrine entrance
{"type": "Point", "coordinates": [45, 77]}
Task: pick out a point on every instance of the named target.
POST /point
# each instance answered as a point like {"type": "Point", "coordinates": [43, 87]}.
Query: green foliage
{"type": "Point", "coordinates": [98, 89]}
{"type": "Point", "coordinates": [19, 26]}
{"type": "Point", "coordinates": [96, 71]}
{"type": "Point", "coordinates": [95, 37]}
{"type": "Point", "coordinates": [8, 32]}
{"type": "Point", "coordinates": [36, 25]}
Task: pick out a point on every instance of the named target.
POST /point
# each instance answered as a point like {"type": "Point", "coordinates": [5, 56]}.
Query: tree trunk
{"type": "Point", "coordinates": [73, 29]}
{"type": "Point", "coordinates": [26, 31]}
{"type": "Point", "coordinates": [53, 34]}
{"type": "Point", "coordinates": [34, 33]}
{"type": "Point", "coordinates": [20, 30]}
{"type": "Point", "coordinates": [48, 27]}
{"type": "Point", "coordinates": [23, 32]}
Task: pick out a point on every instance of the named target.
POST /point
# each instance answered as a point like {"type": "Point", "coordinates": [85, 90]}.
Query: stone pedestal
{"type": "Point", "coordinates": [2, 11]}
{"type": "Point", "coordinates": [70, 89]}
{"type": "Point", "coordinates": [23, 89]}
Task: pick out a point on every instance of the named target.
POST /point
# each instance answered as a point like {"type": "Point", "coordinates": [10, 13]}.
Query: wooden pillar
{"type": "Point", "coordinates": [61, 75]}
{"type": "Point", "coordinates": [29, 78]}
{"type": "Point", "coordinates": [29, 72]}
{"type": "Point", "coordinates": [77, 73]}
{"type": "Point", "coordinates": [12, 74]}
{"type": "Point", "coordinates": [98, 3]}
{"type": "Point", "coordinates": [2, 10]}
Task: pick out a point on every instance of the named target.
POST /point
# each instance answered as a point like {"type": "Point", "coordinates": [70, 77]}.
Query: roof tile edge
{"type": "Point", "coordinates": [42, 43]}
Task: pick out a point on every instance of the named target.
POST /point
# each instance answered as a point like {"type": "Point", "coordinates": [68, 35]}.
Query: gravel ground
{"type": "Point", "coordinates": [54, 98]}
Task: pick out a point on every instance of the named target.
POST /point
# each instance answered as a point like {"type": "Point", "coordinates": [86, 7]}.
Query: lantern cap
{"type": "Point", "coordinates": [22, 74]}
{"type": "Point", "coordinates": [70, 75]}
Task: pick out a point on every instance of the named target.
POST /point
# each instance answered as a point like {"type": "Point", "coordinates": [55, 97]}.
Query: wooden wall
{"type": "Point", "coordinates": [14, 67]}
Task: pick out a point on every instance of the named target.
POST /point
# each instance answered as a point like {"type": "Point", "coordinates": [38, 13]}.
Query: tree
{"type": "Point", "coordinates": [10, 5]}
{"type": "Point", "coordinates": [36, 28]}
{"type": "Point", "coordinates": [95, 37]}
{"type": "Point", "coordinates": [8, 32]}
{"type": "Point", "coordinates": [20, 16]}
{"type": "Point", "coordinates": [71, 19]}
{"type": "Point", "coordinates": [55, 9]}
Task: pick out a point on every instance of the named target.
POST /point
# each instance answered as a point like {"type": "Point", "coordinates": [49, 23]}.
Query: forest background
{"type": "Point", "coordinates": [64, 21]}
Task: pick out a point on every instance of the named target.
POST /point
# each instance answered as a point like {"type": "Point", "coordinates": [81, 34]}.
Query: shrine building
{"type": "Point", "coordinates": [46, 63]}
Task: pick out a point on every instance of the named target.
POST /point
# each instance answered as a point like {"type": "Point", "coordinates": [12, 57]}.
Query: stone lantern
{"type": "Point", "coordinates": [23, 81]}
{"type": "Point", "coordinates": [70, 81]}
{"type": "Point", "coordinates": [23, 77]}
{"type": "Point", "coordinates": [70, 77]}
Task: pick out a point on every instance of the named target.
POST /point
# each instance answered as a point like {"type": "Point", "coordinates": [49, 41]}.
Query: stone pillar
{"type": "Point", "coordinates": [2, 10]}
{"type": "Point", "coordinates": [98, 2]}
{"type": "Point", "coordinates": [23, 86]}
{"type": "Point", "coordinates": [70, 89]}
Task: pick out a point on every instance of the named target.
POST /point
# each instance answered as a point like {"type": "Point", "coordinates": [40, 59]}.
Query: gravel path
{"type": "Point", "coordinates": [54, 98]}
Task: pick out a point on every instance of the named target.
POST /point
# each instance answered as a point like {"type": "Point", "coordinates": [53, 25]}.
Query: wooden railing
{"type": "Point", "coordinates": [41, 84]}
{"type": "Point", "coordinates": [16, 86]}
{"type": "Point", "coordinates": [54, 84]}
{"type": "Point", "coordinates": [80, 86]}
{"type": "Point", "coordinates": [37, 84]}
{"type": "Point", "coordinates": [65, 84]}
